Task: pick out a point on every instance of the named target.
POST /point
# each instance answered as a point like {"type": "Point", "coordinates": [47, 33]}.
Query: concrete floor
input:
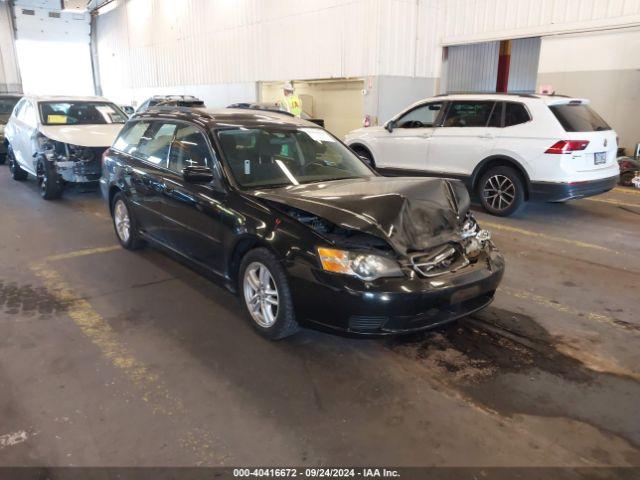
{"type": "Point", "coordinates": [113, 358]}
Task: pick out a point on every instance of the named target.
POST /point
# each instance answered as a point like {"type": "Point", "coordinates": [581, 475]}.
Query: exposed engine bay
{"type": "Point", "coordinates": [76, 164]}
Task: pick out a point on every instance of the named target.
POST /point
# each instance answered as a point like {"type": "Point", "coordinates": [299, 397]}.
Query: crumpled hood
{"type": "Point", "coordinates": [411, 214]}
{"type": "Point", "coordinates": [83, 135]}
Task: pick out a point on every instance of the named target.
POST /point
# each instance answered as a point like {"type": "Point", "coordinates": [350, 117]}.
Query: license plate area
{"type": "Point", "coordinates": [600, 158]}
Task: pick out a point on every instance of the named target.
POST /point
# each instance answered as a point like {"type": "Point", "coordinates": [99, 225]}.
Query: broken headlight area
{"type": "Point", "coordinates": [74, 163]}
{"type": "Point", "coordinates": [357, 254]}
{"type": "Point", "coordinates": [364, 265]}
{"type": "Point", "coordinates": [473, 238]}
{"type": "Point", "coordinates": [452, 256]}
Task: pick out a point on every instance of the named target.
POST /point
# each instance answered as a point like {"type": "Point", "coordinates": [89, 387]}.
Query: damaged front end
{"type": "Point", "coordinates": [425, 231]}
{"type": "Point", "coordinates": [452, 256]}
{"type": "Point", "coordinates": [73, 163]}
{"type": "Point", "coordinates": [395, 255]}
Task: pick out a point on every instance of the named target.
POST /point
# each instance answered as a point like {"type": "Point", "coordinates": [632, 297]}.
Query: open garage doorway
{"type": "Point", "coordinates": [53, 49]}
{"type": "Point", "coordinates": [336, 101]}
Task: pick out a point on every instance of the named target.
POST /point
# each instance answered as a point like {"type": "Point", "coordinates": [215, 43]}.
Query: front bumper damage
{"type": "Point", "coordinates": [450, 267]}
{"type": "Point", "coordinates": [420, 300]}
{"type": "Point", "coordinates": [81, 167]}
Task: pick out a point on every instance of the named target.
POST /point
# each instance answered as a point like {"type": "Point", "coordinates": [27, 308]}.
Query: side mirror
{"type": "Point", "coordinates": [197, 174]}
{"type": "Point", "coordinates": [391, 124]}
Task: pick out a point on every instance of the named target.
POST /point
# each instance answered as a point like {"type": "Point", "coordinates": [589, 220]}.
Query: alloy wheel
{"type": "Point", "coordinates": [122, 221]}
{"type": "Point", "coordinates": [499, 192]}
{"type": "Point", "coordinates": [260, 294]}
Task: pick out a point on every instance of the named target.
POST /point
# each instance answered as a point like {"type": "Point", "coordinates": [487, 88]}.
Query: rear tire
{"type": "Point", "coordinates": [501, 191]}
{"type": "Point", "coordinates": [17, 173]}
{"type": "Point", "coordinates": [50, 183]}
{"type": "Point", "coordinates": [266, 296]}
{"type": "Point", "coordinates": [125, 223]}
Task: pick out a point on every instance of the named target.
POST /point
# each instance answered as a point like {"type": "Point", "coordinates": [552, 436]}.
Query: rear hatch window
{"type": "Point", "coordinates": [579, 117]}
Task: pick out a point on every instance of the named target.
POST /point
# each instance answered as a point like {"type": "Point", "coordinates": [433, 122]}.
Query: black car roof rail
{"type": "Point", "coordinates": [174, 109]}
{"type": "Point", "coordinates": [260, 109]}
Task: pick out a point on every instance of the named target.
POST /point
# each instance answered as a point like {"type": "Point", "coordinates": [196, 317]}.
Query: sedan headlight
{"type": "Point", "coordinates": [366, 266]}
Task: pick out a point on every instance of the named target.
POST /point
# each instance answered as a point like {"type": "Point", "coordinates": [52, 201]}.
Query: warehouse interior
{"type": "Point", "coordinates": [111, 359]}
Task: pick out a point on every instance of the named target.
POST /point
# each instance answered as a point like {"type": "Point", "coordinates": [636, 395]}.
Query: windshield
{"type": "Point", "coordinates": [270, 157]}
{"type": "Point", "coordinates": [6, 107]}
{"type": "Point", "coordinates": [80, 113]}
{"type": "Point", "coordinates": [578, 117]}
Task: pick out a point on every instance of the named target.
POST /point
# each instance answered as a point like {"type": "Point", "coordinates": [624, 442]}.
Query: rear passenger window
{"type": "Point", "coordinates": [468, 114]}
{"type": "Point", "coordinates": [515, 114]}
{"type": "Point", "coordinates": [154, 144]}
{"type": "Point", "coordinates": [189, 149]}
{"type": "Point", "coordinates": [129, 138]}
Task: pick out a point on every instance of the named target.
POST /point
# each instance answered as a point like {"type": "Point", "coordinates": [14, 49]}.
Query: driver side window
{"type": "Point", "coordinates": [424, 116]}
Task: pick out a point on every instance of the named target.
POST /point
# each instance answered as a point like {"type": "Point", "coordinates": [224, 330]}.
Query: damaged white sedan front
{"type": "Point", "coordinates": [60, 140]}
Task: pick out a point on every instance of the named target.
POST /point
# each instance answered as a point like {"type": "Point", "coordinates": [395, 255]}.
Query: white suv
{"type": "Point", "coordinates": [507, 148]}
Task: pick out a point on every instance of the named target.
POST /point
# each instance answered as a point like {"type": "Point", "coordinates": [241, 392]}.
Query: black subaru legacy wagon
{"type": "Point", "coordinates": [286, 216]}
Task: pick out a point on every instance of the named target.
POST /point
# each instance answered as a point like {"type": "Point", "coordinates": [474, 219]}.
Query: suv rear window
{"type": "Point", "coordinates": [515, 114]}
{"type": "Point", "coordinates": [578, 117]}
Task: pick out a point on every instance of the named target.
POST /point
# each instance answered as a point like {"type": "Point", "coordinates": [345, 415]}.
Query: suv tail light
{"type": "Point", "coordinates": [567, 146]}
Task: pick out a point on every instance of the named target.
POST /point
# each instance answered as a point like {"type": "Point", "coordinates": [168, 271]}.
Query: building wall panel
{"type": "Point", "coordinates": [147, 43]}
{"type": "Point", "coordinates": [469, 21]}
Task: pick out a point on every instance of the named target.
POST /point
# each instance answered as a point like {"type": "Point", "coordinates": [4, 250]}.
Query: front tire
{"type": "Point", "coordinates": [125, 224]}
{"type": "Point", "coordinates": [17, 173]}
{"type": "Point", "coordinates": [501, 191]}
{"type": "Point", "coordinates": [266, 296]}
{"type": "Point", "coordinates": [51, 185]}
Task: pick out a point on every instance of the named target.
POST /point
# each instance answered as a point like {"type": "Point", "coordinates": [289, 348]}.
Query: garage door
{"type": "Point", "coordinates": [474, 67]}
{"type": "Point", "coordinates": [53, 51]}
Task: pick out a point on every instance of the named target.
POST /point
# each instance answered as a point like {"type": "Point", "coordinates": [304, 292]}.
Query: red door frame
{"type": "Point", "coordinates": [504, 59]}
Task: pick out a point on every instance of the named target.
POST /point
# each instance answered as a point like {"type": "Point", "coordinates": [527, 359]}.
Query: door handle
{"type": "Point", "coordinates": [128, 169]}
{"type": "Point", "coordinates": [167, 188]}
{"type": "Point", "coordinates": [488, 136]}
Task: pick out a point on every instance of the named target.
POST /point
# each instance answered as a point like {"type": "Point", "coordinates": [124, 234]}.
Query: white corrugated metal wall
{"type": "Point", "coordinates": [196, 42]}
{"type": "Point", "coordinates": [169, 42]}
{"type": "Point", "coordinates": [469, 21]}
{"type": "Point", "coordinates": [221, 48]}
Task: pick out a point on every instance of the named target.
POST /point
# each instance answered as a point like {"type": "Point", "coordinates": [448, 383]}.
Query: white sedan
{"type": "Point", "coordinates": [60, 140]}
